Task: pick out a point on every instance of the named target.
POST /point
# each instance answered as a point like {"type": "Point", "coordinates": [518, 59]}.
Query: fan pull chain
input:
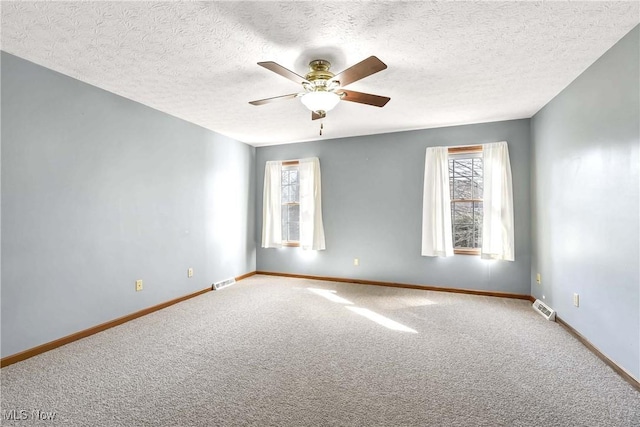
{"type": "Point", "coordinates": [321, 126]}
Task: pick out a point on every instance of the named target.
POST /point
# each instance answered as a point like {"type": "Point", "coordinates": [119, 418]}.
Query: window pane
{"type": "Point", "coordinates": [477, 167]}
{"type": "Point", "coordinates": [463, 213]}
{"type": "Point", "coordinates": [294, 231]}
{"type": "Point", "coordinates": [294, 193]}
{"type": "Point", "coordinates": [285, 194]}
{"type": "Point", "coordinates": [477, 188]}
{"type": "Point", "coordinates": [477, 206]}
{"type": "Point", "coordinates": [462, 168]}
{"type": "Point", "coordinates": [462, 188]}
{"type": "Point", "coordinates": [284, 213]}
{"type": "Point", "coordinates": [293, 176]}
{"type": "Point", "coordinates": [467, 224]}
{"type": "Point", "coordinates": [462, 236]}
{"type": "Point", "coordinates": [478, 224]}
{"type": "Point", "coordinates": [290, 223]}
{"type": "Point", "coordinates": [465, 178]}
{"type": "Point", "coordinates": [294, 213]}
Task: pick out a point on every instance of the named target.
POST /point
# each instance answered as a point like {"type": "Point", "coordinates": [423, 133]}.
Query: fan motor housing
{"type": "Point", "coordinates": [319, 70]}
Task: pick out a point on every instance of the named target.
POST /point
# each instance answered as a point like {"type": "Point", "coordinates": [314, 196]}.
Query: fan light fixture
{"type": "Point", "coordinates": [320, 100]}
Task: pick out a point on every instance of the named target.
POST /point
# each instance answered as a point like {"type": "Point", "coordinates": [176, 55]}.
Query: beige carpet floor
{"type": "Point", "coordinates": [272, 351]}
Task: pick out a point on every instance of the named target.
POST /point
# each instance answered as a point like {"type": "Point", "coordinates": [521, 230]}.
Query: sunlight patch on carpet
{"type": "Point", "coordinates": [380, 319]}
{"type": "Point", "coordinates": [330, 295]}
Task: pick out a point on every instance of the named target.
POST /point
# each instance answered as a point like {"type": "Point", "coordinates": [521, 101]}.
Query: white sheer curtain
{"type": "Point", "coordinates": [497, 222]}
{"type": "Point", "coordinates": [311, 227]}
{"type": "Point", "coordinates": [272, 205]}
{"type": "Point", "coordinates": [436, 204]}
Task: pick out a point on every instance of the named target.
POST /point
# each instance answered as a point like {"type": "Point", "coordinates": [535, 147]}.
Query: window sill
{"type": "Point", "coordinates": [466, 251]}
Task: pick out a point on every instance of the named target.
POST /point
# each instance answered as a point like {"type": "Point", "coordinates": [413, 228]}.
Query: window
{"type": "Point", "coordinates": [466, 185]}
{"type": "Point", "coordinates": [290, 191]}
{"type": "Point", "coordinates": [468, 202]}
{"type": "Point", "coordinates": [292, 205]}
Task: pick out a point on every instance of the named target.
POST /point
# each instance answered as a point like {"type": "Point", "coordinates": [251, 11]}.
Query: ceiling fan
{"type": "Point", "coordinates": [322, 90]}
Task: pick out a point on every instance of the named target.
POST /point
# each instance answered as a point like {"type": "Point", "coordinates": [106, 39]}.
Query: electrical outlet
{"type": "Point", "coordinates": [190, 272]}
{"type": "Point", "coordinates": [356, 261]}
{"type": "Point", "coordinates": [538, 278]}
{"type": "Point", "coordinates": [576, 300]}
{"type": "Point", "coordinates": [138, 285]}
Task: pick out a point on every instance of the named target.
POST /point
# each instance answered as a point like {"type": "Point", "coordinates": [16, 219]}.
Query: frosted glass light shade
{"type": "Point", "coordinates": [320, 101]}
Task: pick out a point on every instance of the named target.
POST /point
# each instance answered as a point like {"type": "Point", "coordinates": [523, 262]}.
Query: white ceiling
{"type": "Point", "coordinates": [449, 63]}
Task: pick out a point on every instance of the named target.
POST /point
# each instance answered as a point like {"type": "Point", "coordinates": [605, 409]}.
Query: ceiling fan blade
{"type": "Point", "coordinates": [364, 98]}
{"type": "Point", "coordinates": [362, 69]}
{"type": "Point", "coordinates": [274, 99]}
{"type": "Point", "coordinates": [279, 69]}
{"type": "Point", "coordinates": [318, 115]}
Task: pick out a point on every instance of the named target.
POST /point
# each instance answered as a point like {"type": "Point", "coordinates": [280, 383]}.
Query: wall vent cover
{"type": "Point", "coordinates": [544, 310]}
{"type": "Point", "coordinates": [223, 284]}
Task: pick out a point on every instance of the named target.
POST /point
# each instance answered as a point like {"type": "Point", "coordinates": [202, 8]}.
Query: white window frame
{"type": "Point", "coordinates": [287, 166]}
{"type": "Point", "coordinates": [468, 152]}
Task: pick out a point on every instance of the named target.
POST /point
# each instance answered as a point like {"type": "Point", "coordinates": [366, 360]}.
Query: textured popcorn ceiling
{"type": "Point", "coordinates": [449, 63]}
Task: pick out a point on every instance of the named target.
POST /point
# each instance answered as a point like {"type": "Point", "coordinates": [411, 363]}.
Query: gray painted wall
{"type": "Point", "coordinates": [98, 191]}
{"type": "Point", "coordinates": [585, 188]}
{"type": "Point", "coordinates": [372, 210]}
